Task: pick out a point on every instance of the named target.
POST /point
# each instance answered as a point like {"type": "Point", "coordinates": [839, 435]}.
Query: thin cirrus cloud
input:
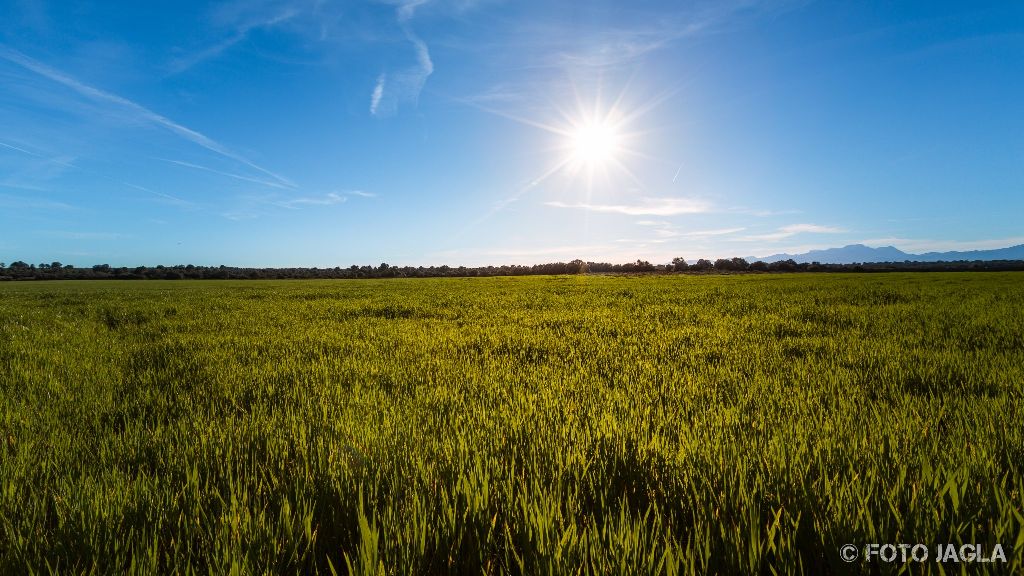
{"type": "Point", "coordinates": [405, 85]}
{"type": "Point", "coordinates": [50, 165]}
{"type": "Point", "coordinates": [666, 229]}
{"type": "Point", "coordinates": [378, 93]}
{"type": "Point", "coordinates": [67, 235]}
{"type": "Point", "coordinates": [240, 33]}
{"type": "Point", "coordinates": [255, 207]}
{"type": "Point", "coordinates": [270, 183]}
{"type": "Point", "coordinates": [645, 207]}
{"type": "Point", "coordinates": [622, 46]}
{"type": "Point", "coordinates": [168, 198]}
{"type": "Point", "coordinates": [328, 199]}
{"type": "Point", "coordinates": [20, 149]}
{"type": "Point", "coordinates": [707, 233]}
{"type": "Point", "coordinates": [599, 48]}
{"type": "Point", "coordinates": [139, 112]}
{"type": "Point", "coordinates": [792, 230]}
{"type": "Point", "coordinates": [33, 203]}
{"type": "Point", "coordinates": [240, 215]}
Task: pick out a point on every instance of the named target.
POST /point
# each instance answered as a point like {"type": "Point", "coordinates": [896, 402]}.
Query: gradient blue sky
{"type": "Point", "coordinates": [323, 133]}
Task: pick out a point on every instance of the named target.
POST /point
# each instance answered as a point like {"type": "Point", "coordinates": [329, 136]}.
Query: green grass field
{"type": "Point", "coordinates": [548, 425]}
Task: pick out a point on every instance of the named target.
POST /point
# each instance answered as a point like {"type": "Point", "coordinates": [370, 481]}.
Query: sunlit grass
{"type": "Point", "coordinates": [650, 425]}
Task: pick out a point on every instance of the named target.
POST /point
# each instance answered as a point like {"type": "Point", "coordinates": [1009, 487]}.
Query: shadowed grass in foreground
{"type": "Point", "coordinates": [606, 425]}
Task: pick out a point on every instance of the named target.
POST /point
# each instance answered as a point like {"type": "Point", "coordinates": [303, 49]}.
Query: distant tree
{"type": "Point", "coordinates": [18, 264]}
{"type": "Point", "coordinates": [101, 268]}
{"type": "Point", "coordinates": [679, 264]}
{"type": "Point", "coordinates": [723, 264]}
{"type": "Point", "coordinates": [702, 265]}
{"type": "Point", "coordinates": [759, 266]}
{"type": "Point", "coordinates": [56, 264]}
{"type": "Point", "coordinates": [739, 264]}
{"type": "Point", "coordinates": [783, 266]}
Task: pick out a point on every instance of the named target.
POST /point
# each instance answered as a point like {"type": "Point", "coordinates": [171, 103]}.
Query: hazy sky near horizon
{"type": "Point", "coordinates": [467, 132]}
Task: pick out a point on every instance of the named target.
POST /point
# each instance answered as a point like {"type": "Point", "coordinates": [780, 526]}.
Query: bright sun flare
{"type": "Point", "coordinates": [594, 143]}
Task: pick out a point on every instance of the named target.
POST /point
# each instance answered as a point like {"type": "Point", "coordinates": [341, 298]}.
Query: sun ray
{"type": "Point", "coordinates": [512, 198]}
{"type": "Point", "coordinates": [594, 141]}
{"type": "Point", "coordinates": [552, 128]}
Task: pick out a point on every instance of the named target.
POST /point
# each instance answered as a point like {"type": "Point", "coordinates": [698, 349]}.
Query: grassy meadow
{"type": "Point", "coordinates": [746, 424]}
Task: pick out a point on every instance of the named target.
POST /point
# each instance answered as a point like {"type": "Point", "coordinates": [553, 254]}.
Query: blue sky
{"type": "Point", "coordinates": [324, 133]}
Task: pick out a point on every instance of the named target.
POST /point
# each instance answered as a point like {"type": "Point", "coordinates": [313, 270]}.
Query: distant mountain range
{"type": "Point", "coordinates": [861, 253]}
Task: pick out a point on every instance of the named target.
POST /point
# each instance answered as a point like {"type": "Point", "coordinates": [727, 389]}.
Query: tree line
{"type": "Point", "coordinates": [57, 271]}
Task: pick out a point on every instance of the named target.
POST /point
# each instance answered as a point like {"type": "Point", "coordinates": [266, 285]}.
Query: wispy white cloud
{"type": "Point", "coordinates": [59, 161]}
{"type": "Point", "coordinates": [257, 205]}
{"type": "Point", "coordinates": [813, 228]}
{"type": "Point", "coordinates": [644, 207]}
{"type": "Point", "coordinates": [270, 183]}
{"type": "Point", "coordinates": [641, 242]}
{"type": "Point", "coordinates": [33, 203]}
{"type": "Point", "coordinates": [35, 172]}
{"type": "Point", "coordinates": [240, 215]}
{"type": "Point", "coordinates": [329, 199]}
{"type": "Point", "coordinates": [544, 44]}
{"type": "Point", "coordinates": [714, 232]}
{"type": "Point", "coordinates": [9, 183]}
{"type": "Point", "coordinates": [240, 33]}
{"type": "Point", "coordinates": [139, 112]}
{"type": "Point", "coordinates": [20, 149]}
{"type": "Point", "coordinates": [405, 14]}
{"type": "Point", "coordinates": [168, 198]}
{"type": "Point", "coordinates": [502, 93]}
{"type": "Point", "coordinates": [69, 235]}
{"type": "Point", "coordinates": [762, 213]}
{"type": "Point", "coordinates": [620, 45]}
{"type": "Point", "coordinates": [792, 230]}
{"type": "Point", "coordinates": [378, 93]}
{"type": "Point", "coordinates": [665, 232]}
{"type": "Point", "coordinates": [664, 229]}
{"type": "Point", "coordinates": [405, 85]}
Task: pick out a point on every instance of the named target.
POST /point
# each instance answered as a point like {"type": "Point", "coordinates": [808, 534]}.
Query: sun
{"type": "Point", "coordinates": [594, 143]}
